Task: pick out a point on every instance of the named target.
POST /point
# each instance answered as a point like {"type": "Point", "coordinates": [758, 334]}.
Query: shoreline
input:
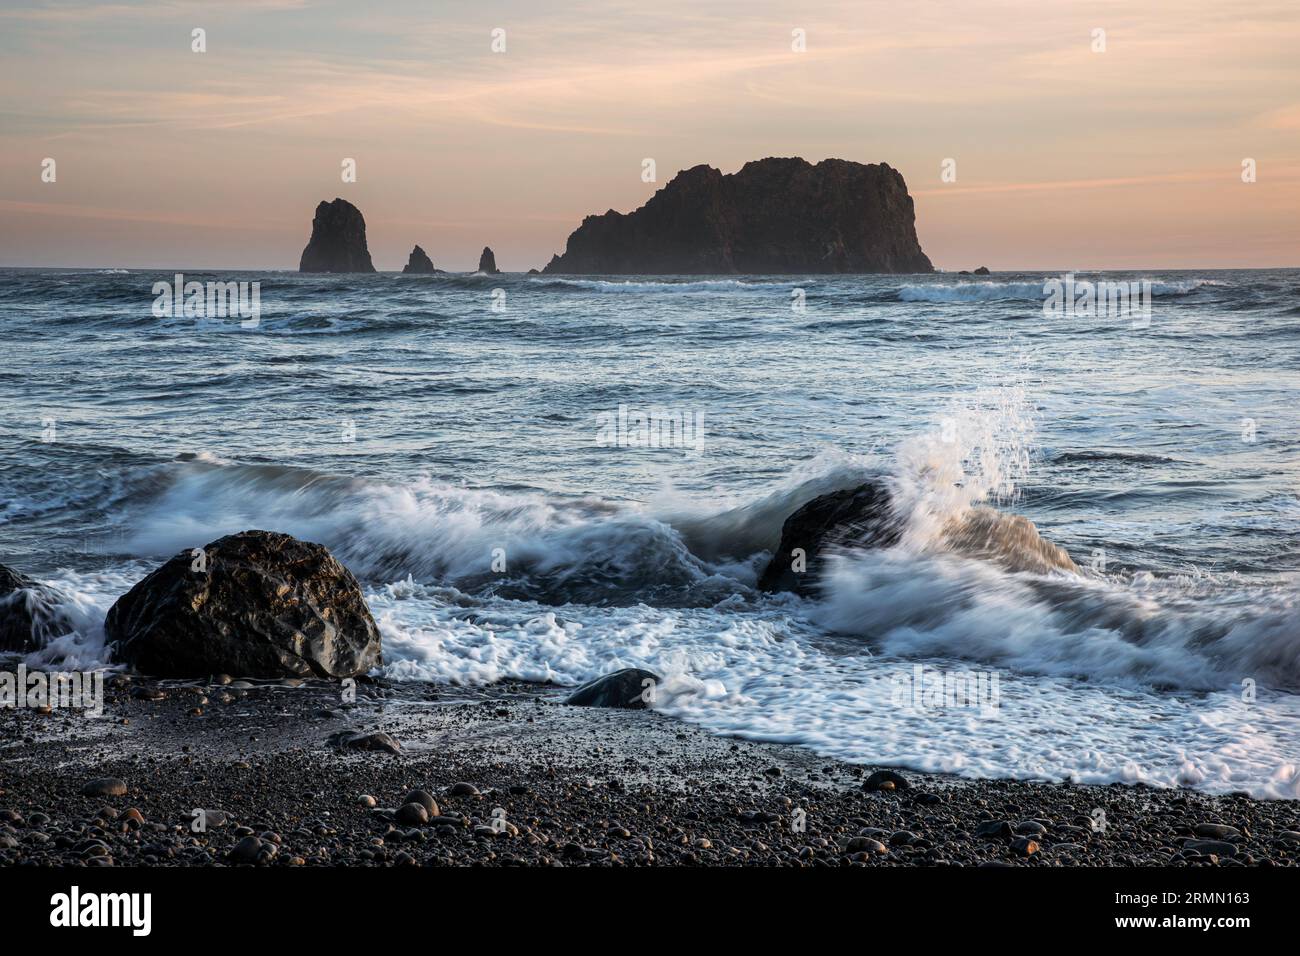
{"type": "Point", "coordinates": [552, 784]}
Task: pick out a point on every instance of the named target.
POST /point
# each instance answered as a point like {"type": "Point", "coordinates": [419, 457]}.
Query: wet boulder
{"type": "Point", "coordinates": [863, 517]}
{"type": "Point", "coordinates": [31, 613]}
{"type": "Point", "coordinates": [853, 517]}
{"type": "Point", "coordinates": [253, 604]}
{"type": "Point", "coordinates": [627, 689]}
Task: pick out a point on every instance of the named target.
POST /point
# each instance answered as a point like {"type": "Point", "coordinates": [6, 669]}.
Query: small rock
{"type": "Point", "coordinates": [1216, 831]}
{"type": "Point", "coordinates": [412, 815]}
{"type": "Point", "coordinates": [1024, 846]}
{"type": "Point", "coordinates": [994, 830]}
{"type": "Point", "coordinates": [885, 780]}
{"type": "Point", "coordinates": [463, 789]}
{"type": "Point", "coordinates": [1214, 847]}
{"type": "Point", "coordinates": [104, 787]}
{"type": "Point", "coordinates": [424, 799]}
{"type": "Point", "coordinates": [367, 801]}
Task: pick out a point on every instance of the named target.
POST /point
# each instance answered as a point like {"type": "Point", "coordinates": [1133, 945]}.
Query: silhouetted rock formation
{"type": "Point", "coordinates": [338, 240]}
{"type": "Point", "coordinates": [419, 263]}
{"type": "Point", "coordinates": [488, 262]}
{"type": "Point", "coordinates": [982, 271]}
{"type": "Point", "coordinates": [774, 216]}
{"type": "Point", "coordinates": [253, 604]}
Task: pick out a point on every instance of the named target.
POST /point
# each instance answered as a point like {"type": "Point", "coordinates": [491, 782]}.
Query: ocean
{"type": "Point", "coordinates": [472, 448]}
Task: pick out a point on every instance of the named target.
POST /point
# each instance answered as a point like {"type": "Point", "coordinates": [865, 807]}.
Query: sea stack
{"type": "Point", "coordinates": [419, 263]}
{"type": "Point", "coordinates": [773, 216]}
{"type": "Point", "coordinates": [338, 240]}
{"type": "Point", "coordinates": [487, 262]}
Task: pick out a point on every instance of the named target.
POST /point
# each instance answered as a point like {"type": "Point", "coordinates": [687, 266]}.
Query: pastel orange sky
{"type": "Point", "coordinates": [1065, 157]}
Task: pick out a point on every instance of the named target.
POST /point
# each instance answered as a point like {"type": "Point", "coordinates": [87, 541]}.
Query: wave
{"type": "Point", "coordinates": [917, 598]}
{"type": "Point", "coordinates": [973, 291]}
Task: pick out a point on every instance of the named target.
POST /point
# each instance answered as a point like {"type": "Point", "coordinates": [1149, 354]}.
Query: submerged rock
{"type": "Point", "coordinates": [31, 613]}
{"type": "Point", "coordinates": [773, 216]}
{"type": "Point", "coordinates": [253, 604]}
{"type": "Point", "coordinates": [419, 263]}
{"type": "Point", "coordinates": [627, 689]}
{"type": "Point", "coordinates": [487, 263]}
{"type": "Point", "coordinates": [863, 517]}
{"type": "Point", "coordinates": [338, 240]}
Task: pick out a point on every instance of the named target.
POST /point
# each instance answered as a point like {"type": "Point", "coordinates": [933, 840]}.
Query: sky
{"type": "Point", "coordinates": [1066, 156]}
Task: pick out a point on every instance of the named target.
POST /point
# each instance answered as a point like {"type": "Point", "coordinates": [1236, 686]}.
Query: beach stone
{"type": "Point", "coordinates": [424, 799]}
{"type": "Point", "coordinates": [264, 605]}
{"type": "Point", "coordinates": [994, 830]}
{"type": "Point", "coordinates": [861, 844]}
{"type": "Point", "coordinates": [1031, 828]}
{"type": "Point", "coordinates": [463, 789]}
{"type": "Point", "coordinates": [31, 613]}
{"type": "Point", "coordinates": [885, 780]}
{"type": "Point", "coordinates": [367, 801]}
{"type": "Point", "coordinates": [623, 689]}
{"type": "Point", "coordinates": [1216, 831]}
{"type": "Point", "coordinates": [411, 815]}
{"type": "Point", "coordinates": [378, 740]}
{"type": "Point", "coordinates": [104, 787]}
{"type": "Point", "coordinates": [1024, 846]}
{"type": "Point", "coordinates": [252, 849]}
{"type": "Point", "coordinates": [1215, 847]}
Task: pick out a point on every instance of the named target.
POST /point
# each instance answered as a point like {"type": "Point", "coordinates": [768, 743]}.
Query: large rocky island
{"type": "Point", "coordinates": [773, 216]}
{"type": "Point", "coordinates": [338, 240]}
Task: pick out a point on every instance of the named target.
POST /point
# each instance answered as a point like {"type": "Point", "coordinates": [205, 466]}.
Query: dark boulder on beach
{"type": "Point", "coordinates": [30, 612]}
{"type": "Point", "coordinates": [858, 517]}
{"type": "Point", "coordinates": [863, 517]}
{"type": "Point", "coordinates": [487, 263]}
{"type": "Point", "coordinates": [628, 689]}
{"type": "Point", "coordinates": [419, 263]}
{"type": "Point", "coordinates": [253, 604]}
{"type": "Point", "coordinates": [773, 216]}
{"type": "Point", "coordinates": [338, 240]}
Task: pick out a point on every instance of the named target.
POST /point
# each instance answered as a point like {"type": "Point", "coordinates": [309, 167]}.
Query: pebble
{"type": "Point", "coordinates": [463, 789]}
{"type": "Point", "coordinates": [104, 787]}
{"type": "Point", "coordinates": [1024, 846]}
{"type": "Point", "coordinates": [1213, 847]}
{"type": "Point", "coordinates": [412, 815]}
{"type": "Point", "coordinates": [367, 801]}
{"type": "Point", "coordinates": [424, 799]}
{"type": "Point", "coordinates": [994, 830]}
{"type": "Point", "coordinates": [1216, 831]}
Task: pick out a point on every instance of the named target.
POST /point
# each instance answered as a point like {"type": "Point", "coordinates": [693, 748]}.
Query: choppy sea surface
{"type": "Point", "coordinates": [425, 427]}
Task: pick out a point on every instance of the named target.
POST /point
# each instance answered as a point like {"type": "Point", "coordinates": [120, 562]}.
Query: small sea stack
{"type": "Point", "coordinates": [419, 263]}
{"type": "Point", "coordinates": [487, 262]}
{"type": "Point", "coordinates": [338, 240]}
